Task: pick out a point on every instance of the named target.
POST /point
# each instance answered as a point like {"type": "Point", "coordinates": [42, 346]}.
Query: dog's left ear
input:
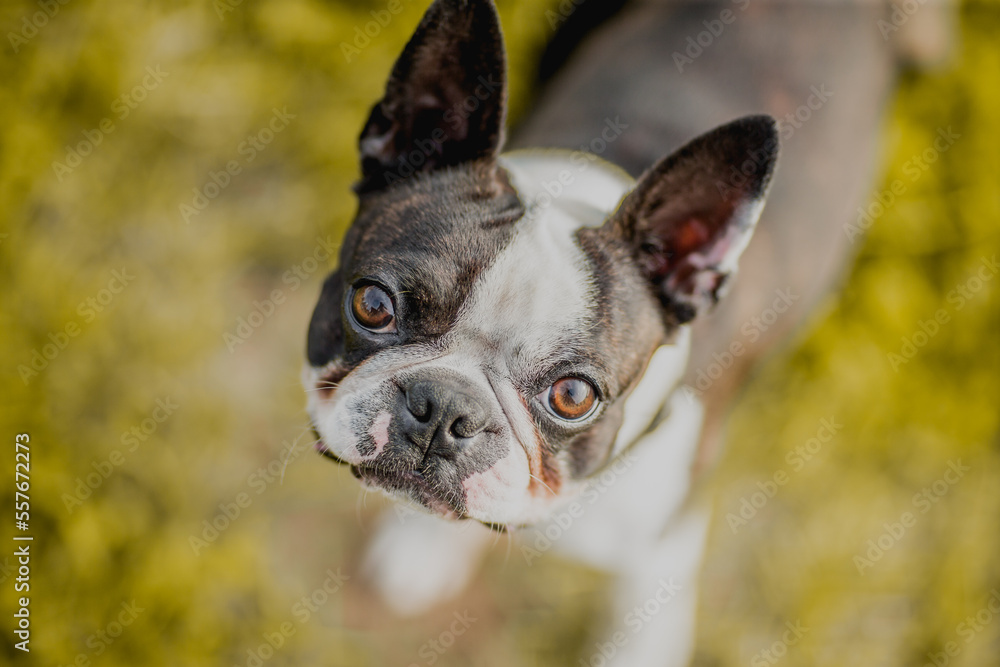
{"type": "Point", "coordinates": [445, 100]}
{"type": "Point", "coordinates": [689, 218]}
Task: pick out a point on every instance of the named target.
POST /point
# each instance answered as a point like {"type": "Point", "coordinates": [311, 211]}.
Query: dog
{"type": "Point", "coordinates": [506, 337]}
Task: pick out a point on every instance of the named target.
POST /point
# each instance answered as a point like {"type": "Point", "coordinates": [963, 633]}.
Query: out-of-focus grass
{"type": "Point", "coordinates": [162, 338]}
{"type": "Point", "coordinates": [903, 419]}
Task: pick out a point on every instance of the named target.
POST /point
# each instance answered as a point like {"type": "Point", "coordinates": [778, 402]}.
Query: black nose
{"type": "Point", "coordinates": [445, 412]}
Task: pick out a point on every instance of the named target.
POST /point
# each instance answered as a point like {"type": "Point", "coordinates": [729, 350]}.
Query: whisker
{"type": "Point", "coordinates": [510, 542]}
{"type": "Point", "coordinates": [542, 483]}
{"type": "Point", "coordinates": [496, 537]}
{"type": "Point", "coordinates": [325, 387]}
{"type": "Point", "coordinates": [291, 450]}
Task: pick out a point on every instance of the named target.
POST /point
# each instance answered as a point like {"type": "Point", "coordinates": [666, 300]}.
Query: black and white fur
{"type": "Point", "coordinates": [500, 289]}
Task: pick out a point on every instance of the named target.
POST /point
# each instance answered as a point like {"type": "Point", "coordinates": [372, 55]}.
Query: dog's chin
{"type": "Point", "coordinates": [413, 486]}
{"type": "Point", "coordinates": [399, 485]}
{"type": "Point", "coordinates": [409, 485]}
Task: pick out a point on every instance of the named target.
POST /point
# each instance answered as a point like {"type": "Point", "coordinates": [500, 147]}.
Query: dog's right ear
{"type": "Point", "coordinates": [689, 218]}
{"type": "Point", "coordinates": [445, 100]}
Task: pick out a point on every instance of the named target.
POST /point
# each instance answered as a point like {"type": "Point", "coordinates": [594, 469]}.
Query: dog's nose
{"type": "Point", "coordinates": [444, 414]}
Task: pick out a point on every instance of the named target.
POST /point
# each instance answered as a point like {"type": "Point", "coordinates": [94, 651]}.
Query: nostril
{"type": "Point", "coordinates": [466, 425]}
{"type": "Point", "coordinates": [442, 412]}
{"type": "Point", "coordinates": [419, 406]}
{"type": "Point", "coordinates": [423, 414]}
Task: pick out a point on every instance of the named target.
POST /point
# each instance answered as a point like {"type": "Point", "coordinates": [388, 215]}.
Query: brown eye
{"type": "Point", "coordinates": [373, 309]}
{"type": "Point", "coordinates": [571, 398]}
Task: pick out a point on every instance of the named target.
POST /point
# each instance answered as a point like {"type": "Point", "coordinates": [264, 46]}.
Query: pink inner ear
{"type": "Point", "coordinates": [694, 271]}
{"type": "Point", "coordinates": [689, 244]}
{"type": "Point", "coordinates": [689, 236]}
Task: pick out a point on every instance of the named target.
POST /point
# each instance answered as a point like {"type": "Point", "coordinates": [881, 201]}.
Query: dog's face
{"type": "Point", "coordinates": [474, 351]}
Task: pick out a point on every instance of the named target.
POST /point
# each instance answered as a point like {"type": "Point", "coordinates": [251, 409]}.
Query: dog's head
{"type": "Point", "coordinates": [477, 345]}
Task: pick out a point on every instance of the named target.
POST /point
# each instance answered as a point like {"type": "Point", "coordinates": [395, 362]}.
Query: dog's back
{"type": "Point", "coordinates": [663, 72]}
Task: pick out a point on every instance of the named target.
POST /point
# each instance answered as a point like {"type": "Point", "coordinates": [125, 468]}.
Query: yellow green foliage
{"type": "Point", "coordinates": [151, 419]}
{"type": "Point", "coordinates": [904, 415]}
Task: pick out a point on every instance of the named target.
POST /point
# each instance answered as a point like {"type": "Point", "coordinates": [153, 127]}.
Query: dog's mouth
{"type": "Point", "coordinates": [323, 450]}
{"type": "Point", "coordinates": [412, 483]}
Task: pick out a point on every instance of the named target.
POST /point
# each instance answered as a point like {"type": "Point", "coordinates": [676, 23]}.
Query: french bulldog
{"type": "Point", "coordinates": [506, 334]}
{"type": "Point", "coordinates": [504, 328]}
{"type": "Point", "coordinates": [478, 345]}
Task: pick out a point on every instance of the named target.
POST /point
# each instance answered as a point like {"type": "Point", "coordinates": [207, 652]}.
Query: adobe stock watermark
{"type": "Point", "coordinates": [249, 148]}
{"type": "Point", "coordinates": [797, 458]}
{"type": "Point", "coordinates": [914, 168]}
{"type": "Point", "coordinates": [734, 185]}
{"type": "Point", "coordinates": [363, 35]}
{"type": "Point", "coordinates": [957, 298]}
{"type": "Point", "coordinates": [302, 611]}
{"type": "Point", "coordinates": [257, 483]}
{"type": "Point", "coordinates": [562, 520]}
{"type": "Point", "coordinates": [88, 310]}
{"type": "Point", "coordinates": [779, 649]}
{"type": "Point", "coordinates": [634, 620]}
{"type": "Point", "coordinates": [922, 502]}
{"type": "Point", "coordinates": [32, 24]}
{"type": "Point", "coordinates": [223, 7]}
{"type": "Point", "coordinates": [751, 331]}
{"type": "Point", "coordinates": [99, 641]}
{"type": "Point", "coordinates": [432, 650]}
{"type": "Point", "coordinates": [698, 44]}
{"type": "Point", "coordinates": [294, 278]}
{"type": "Point", "coordinates": [562, 12]}
{"type": "Point", "coordinates": [123, 105]}
{"type": "Point", "coordinates": [967, 630]}
{"type": "Point", "coordinates": [131, 441]}
{"type": "Point", "coordinates": [794, 120]}
{"type": "Point", "coordinates": [901, 13]}
{"type": "Point", "coordinates": [582, 159]}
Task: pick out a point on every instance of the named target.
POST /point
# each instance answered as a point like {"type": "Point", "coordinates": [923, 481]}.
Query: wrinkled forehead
{"type": "Point", "coordinates": [503, 272]}
{"type": "Point", "coordinates": [544, 296]}
{"type": "Point", "coordinates": [535, 300]}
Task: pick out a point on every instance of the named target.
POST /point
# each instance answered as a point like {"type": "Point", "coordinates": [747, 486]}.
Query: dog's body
{"type": "Point", "coordinates": [626, 521]}
{"type": "Point", "coordinates": [506, 336]}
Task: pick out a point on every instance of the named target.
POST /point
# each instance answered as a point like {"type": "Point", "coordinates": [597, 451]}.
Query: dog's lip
{"type": "Point", "coordinates": [411, 482]}
{"type": "Point", "coordinates": [322, 449]}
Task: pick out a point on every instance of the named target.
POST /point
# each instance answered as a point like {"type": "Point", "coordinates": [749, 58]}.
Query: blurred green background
{"type": "Point", "coordinates": [166, 402]}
